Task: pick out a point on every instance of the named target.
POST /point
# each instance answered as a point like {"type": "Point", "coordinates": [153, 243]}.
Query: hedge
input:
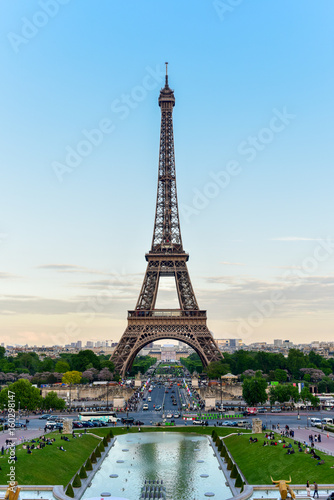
{"type": "Point", "coordinates": [69, 491]}
{"type": "Point", "coordinates": [76, 482]}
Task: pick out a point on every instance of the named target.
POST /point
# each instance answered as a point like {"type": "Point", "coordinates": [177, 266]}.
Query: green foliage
{"type": "Point", "coordinates": [234, 472]}
{"type": "Point", "coordinates": [142, 364]}
{"type": "Point", "coordinates": [62, 366]}
{"type": "Point", "coordinates": [111, 434]}
{"type": "Point", "coordinates": [238, 481]}
{"type": "Point", "coordinates": [101, 447]}
{"type": "Point", "coordinates": [216, 369]}
{"type": "Point", "coordinates": [223, 451]}
{"type": "Point", "coordinates": [193, 363]}
{"type": "Point", "coordinates": [83, 473]}
{"type": "Point", "coordinates": [72, 377]}
{"type": "Point", "coordinates": [214, 435]}
{"type": "Point", "coordinates": [306, 396]}
{"type": "Point", "coordinates": [69, 491]}
{"type": "Point", "coordinates": [105, 441]}
{"type": "Point", "coordinates": [88, 464]}
{"type": "Point", "coordinates": [24, 393]}
{"type": "Point", "coordinates": [254, 390]}
{"type": "Point", "coordinates": [283, 393]}
{"type": "Point", "coordinates": [93, 457]}
{"type": "Point", "coordinates": [51, 400]}
{"type": "Point", "coordinates": [97, 452]}
{"type": "Point", "coordinates": [220, 445]}
{"type": "Point", "coordinates": [76, 482]}
{"type": "Point", "coordinates": [229, 463]}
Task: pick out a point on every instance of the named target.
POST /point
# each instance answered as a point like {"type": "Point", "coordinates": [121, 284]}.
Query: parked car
{"type": "Point", "coordinates": [128, 420]}
{"type": "Point", "coordinates": [44, 417]}
{"type": "Point", "coordinates": [77, 425]}
{"type": "Point", "coordinates": [169, 415]}
{"type": "Point", "coordinates": [138, 422]}
{"type": "Point", "coordinates": [200, 422]}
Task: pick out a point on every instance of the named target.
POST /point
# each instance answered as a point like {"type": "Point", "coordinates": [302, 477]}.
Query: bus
{"type": "Point", "coordinates": [104, 416]}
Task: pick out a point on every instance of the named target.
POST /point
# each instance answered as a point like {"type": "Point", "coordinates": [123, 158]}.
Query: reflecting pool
{"type": "Point", "coordinates": [185, 463]}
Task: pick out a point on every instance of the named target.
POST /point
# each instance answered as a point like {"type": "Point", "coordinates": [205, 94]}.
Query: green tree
{"type": "Point", "coordinates": [62, 366]}
{"type": "Point", "coordinates": [21, 393]}
{"type": "Point", "coordinates": [254, 390]}
{"type": "Point", "coordinates": [69, 491]}
{"type": "Point", "coordinates": [72, 377]}
{"type": "Point", "coordinates": [283, 393]}
{"type": "Point", "coordinates": [280, 375]}
{"type": "Point", "coordinates": [76, 482]}
{"type": "Point", "coordinates": [51, 400]}
{"type": "Point", "coordinates": [306, 396]}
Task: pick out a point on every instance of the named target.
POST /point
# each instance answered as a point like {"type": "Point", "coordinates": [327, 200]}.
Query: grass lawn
{"type": "Point", "coordinates": [50, 465]}
{"type": "Point", "coordinates": [258, 462]}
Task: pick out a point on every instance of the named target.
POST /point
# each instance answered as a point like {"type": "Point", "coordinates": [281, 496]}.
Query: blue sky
{"type": "Point", "coordinates": [253, 126]}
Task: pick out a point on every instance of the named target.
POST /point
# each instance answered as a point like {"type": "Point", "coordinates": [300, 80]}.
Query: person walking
{"type": "Point", "coordinates": [308, 489]}
{"type": "Point", "coordinates": [315, 490]}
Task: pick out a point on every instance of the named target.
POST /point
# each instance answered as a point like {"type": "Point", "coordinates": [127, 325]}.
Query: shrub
{"type": "Point", "coordinates": [223, 452]}
{"type": "Point", "coordinates": [97, 452]}
{"type": "Point", "coordinates": [105, 441]}
{"type": "Point", "coordinates": [229, 464]}
{"type": "Point", "coordinates": [234, 472]}
{"type": "Point", "coordinates": [214, 435]}
{"type": "Point", "coordinates": [69, 491]}
{"type": "Point", "coordinates": [83, 473]}
{"type": "Point", "coordinates": [76, 482]}
{"type": "Point", "coordinates": [101, 446]}
{"type": "Point", "coordinates": [220, 445]}
{"type": "Point", "coordinates": [93, 457]}
{"type": "Point", "coordinates": [111, 434]}
{"type": "Point", "coordinates": [238, 481]}
{"type": "Point", "coordinates": [88, 465]}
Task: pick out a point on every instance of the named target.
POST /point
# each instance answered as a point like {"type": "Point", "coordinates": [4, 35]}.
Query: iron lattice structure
{"type": "Point", "coordinates": [166, 258]}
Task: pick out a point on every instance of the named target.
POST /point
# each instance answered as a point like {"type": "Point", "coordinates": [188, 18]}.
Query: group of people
{"type": "Point", "coordinates": [314, 439]}
{"type": "Point", "coordinates": [308, 489]}
{"type": "Point", "coordinates": [38, 444]}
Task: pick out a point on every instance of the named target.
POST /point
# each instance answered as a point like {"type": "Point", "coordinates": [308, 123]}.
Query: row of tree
{"type": "Point", "coordinates": [29, 363]}
{"type": "Point", "coordinates": [296, 366]}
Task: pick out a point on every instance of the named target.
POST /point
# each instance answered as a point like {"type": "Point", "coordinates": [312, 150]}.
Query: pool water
{"type": "Point", "coordinates": [177, 459]}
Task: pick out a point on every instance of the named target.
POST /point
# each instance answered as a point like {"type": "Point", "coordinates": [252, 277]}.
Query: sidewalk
{"type": "Point", "coordinates": [327, 443]}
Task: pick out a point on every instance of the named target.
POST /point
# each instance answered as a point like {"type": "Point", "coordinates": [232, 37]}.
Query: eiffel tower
{"type": "Point", "coordinates": [166, 258]}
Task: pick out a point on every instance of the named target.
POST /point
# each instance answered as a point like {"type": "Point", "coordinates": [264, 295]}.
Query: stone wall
{"type": "Point", "coordinates": [98, 392]}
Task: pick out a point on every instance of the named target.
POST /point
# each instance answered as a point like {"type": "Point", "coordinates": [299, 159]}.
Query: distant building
{"type": "Point", "coordinates": [278, 342]}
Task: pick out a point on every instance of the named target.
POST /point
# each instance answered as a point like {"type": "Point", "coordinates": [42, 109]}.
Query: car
{"type": "Point", "coordinates": [138, 422]}
{"type": "Point", "coordinates": [145, 407]}
{"type": "Point", "coordinates": [169, 415]}
{"type": "Point", "coordinates": [174, 403]}
{"type": "Point", "coordinates": [262, 410]}
{"type": "Point", "coordinates": [19, 425]}
{"type": "Point", "coordinates": [226, 423]}
{"type": "Point", "coordinates": [276, 410]}
{"type": "Point", "coordinates": [198, 422]}
{"type": "Point", "coordinates": [77, 425]}
{"type": "Point", "coordinates": [149, 399]}
{"type": "Point", "coordinates": [44, 417]}
{"type": "Point", "coordinates": [158, 408]}
{"type": "Point", "coordinates": [97, 423]}
{"type": "Point", "coordinates": [86, 423]}
{"type": "Point", "coordinates": [128, 420]}
{"type": "Point", "coordinates": [177, 415]}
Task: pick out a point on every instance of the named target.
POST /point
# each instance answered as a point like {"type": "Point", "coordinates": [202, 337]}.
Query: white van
{"type": "Point", "coordinates": [315, 421]}
{"type": "Point", "coordinates": [145, 407]}
{"type": "Point", "coordinates": [327, 421]}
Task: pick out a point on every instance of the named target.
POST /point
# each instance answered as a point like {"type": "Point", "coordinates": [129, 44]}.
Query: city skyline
{"type": "Point", "coordinates": [253, 128]}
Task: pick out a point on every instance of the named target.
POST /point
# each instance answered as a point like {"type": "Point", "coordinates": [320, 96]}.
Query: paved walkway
{"type": "Point", "coordinates": [327, 443]}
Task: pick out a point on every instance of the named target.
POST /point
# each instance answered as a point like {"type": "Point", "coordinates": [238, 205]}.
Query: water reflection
{"type": "Point", "coordinates": [166, 456]}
